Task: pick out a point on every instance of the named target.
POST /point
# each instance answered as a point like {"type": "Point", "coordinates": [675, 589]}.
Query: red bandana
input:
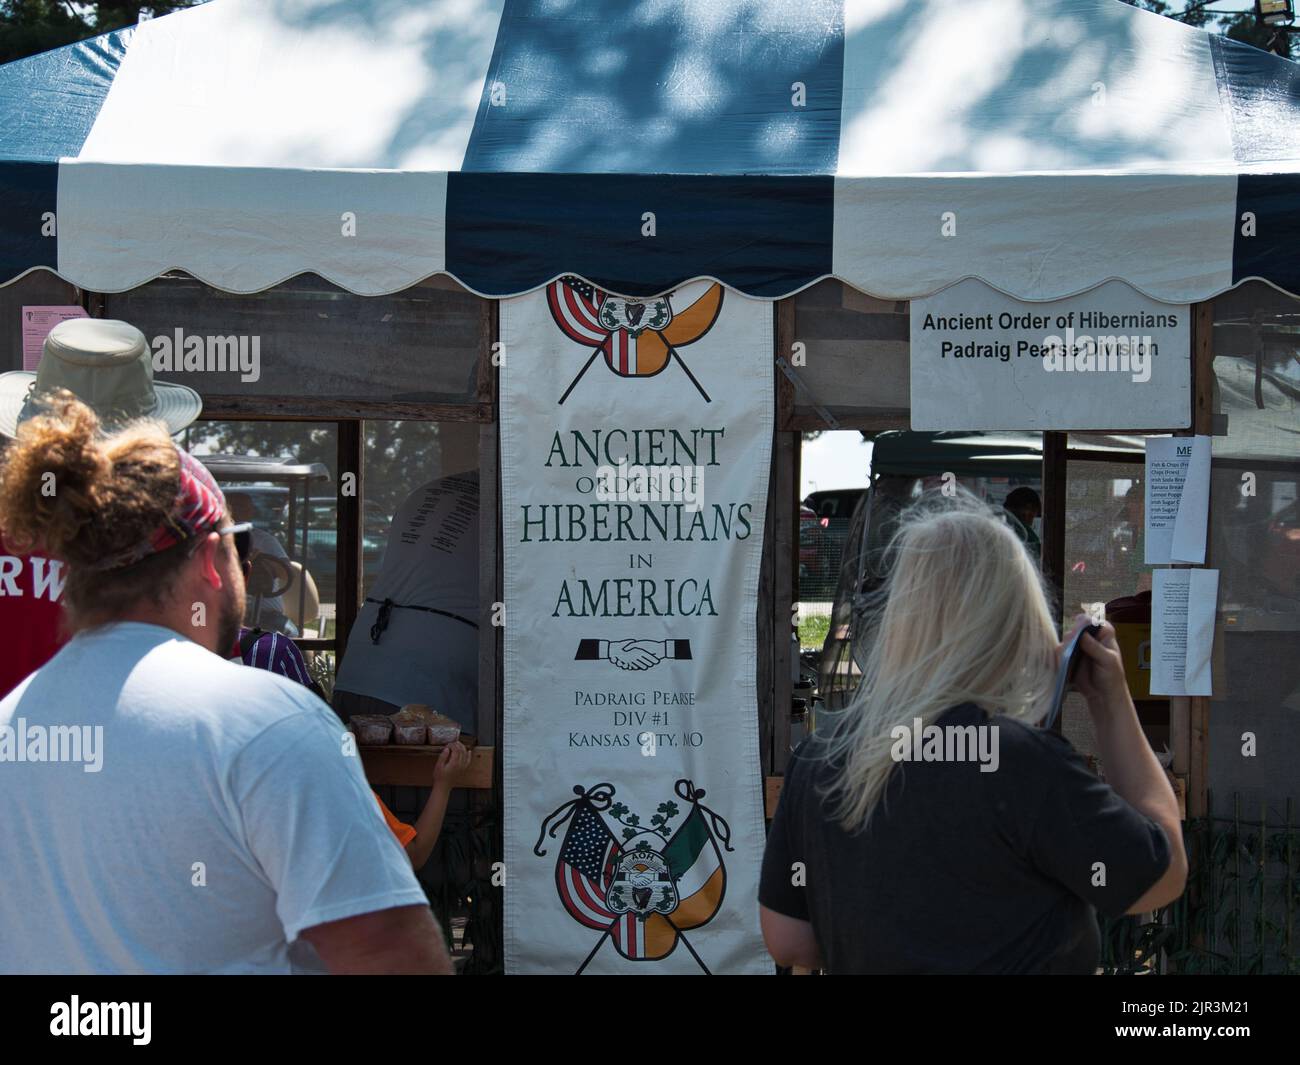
{"type": "Point", "coordinates": [199, 509]}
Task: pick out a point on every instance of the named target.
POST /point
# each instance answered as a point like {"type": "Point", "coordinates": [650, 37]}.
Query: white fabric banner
{"type": "Point", "coordinates": [635, 442]}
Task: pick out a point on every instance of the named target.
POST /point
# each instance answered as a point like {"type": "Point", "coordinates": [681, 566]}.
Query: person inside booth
{"type": "Point", "coordinates": [1024, 505]}
{"type": "Point", "coordinates": [269, 608]}
{"type": "Point", "coordinates": [415, 639]}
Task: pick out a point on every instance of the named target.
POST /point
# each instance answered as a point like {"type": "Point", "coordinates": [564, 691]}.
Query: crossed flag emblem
{"type": "Point", "coordinates": [638, 338]}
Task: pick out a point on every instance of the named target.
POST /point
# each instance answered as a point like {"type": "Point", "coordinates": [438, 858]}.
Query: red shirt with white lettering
{"type": "Point", "coordinates": [30, 615]}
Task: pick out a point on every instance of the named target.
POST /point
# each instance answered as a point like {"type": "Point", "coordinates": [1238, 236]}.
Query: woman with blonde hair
{"type": "Point", "coordinates": [932, 826]}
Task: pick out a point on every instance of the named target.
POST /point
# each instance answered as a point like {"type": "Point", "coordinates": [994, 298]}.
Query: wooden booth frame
{"type": "Point", "coordinates": [778, 585]}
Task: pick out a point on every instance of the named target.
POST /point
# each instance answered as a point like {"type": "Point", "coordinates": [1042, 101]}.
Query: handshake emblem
{"type": "Point", "coordinates": [632, 654]}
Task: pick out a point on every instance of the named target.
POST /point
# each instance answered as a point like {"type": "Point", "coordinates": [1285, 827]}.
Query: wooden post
{"type": "Point", "coordinates": [485, 393]}
{"type": "Point", "coordinates": [1198, 727]}
{"type": "Point", "coordinates": [763, 637]}
{"type": "Point", "coordinates": [489, 586]}
{"type": "Point", "coordinates": [348, 562]}
{"type": "Point", "coordinates": [783, 310]}
{"type": "Point", "coordinates": [490, 641]}
{"type": "Point", "coordinates": [784, 549]}
{"type": "Point", "coordinates": [1053, 543]}
{"type": "Point", "coordinates": [780, 563]}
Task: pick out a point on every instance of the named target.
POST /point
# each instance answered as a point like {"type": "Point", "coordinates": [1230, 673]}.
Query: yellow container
{"type": "Point", "coordinates": [1134, 640]}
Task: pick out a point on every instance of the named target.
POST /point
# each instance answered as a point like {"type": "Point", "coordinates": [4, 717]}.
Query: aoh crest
{"type": "Point", "coordinates": [642, 883]}
{"type": "Point", "coordinates": [636, 316]}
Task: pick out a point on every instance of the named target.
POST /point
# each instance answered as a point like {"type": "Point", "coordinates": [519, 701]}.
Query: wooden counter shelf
{"type": "Point", "coordinates": [395, 764]}
{"type": "Point", "coordinates": [398, 764]}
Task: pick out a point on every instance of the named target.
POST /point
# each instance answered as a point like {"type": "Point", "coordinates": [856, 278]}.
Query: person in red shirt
{"type": "Point", "coordinates": [30, 615]}
{"type": "Point", "coordinates": [107, 365]}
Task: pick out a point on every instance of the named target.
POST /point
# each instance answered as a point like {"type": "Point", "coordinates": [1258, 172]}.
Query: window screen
{"type": "Point", "coordinates": [281, 476]}
{"type": "Point", "coordinates": [855, 350]}
{"type": "Point", "coordinates": [1255, 545]}
{"type": "Point", "coordinates": [308, 338]}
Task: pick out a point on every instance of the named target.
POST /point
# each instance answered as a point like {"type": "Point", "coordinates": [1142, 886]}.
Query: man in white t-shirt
{"type": "Point", "coordinates": [415, 639]}
{"type": "Point", "coordinates": [169, 811]}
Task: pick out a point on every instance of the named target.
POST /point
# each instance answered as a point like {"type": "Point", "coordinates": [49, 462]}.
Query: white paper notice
{"type": "Point", "coordinates": [1183, 605]}
{"type": "Point", "coordinates": [37, 323]}
{"type": "Point", "coordinates": [1177, 499]}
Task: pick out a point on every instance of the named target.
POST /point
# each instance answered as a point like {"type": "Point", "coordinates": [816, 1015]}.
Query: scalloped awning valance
{"type": "Point", "coordinates": [1043, 146]}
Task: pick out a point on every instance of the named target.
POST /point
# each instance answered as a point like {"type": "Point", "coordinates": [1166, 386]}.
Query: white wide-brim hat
{"type": "Point", "coordinates": [104, 363]}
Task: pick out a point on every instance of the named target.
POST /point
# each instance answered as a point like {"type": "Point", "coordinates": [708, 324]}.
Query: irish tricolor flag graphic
{"type": "Point", "coordinates": [697, 868]}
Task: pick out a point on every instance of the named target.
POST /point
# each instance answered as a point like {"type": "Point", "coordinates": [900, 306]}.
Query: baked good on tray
{"type": "Point", "coordinates": [439, 729]}
{"type": "Point", "coordinates": [409, 727]}
{"type": "Point", "coordinates": [372, 730]}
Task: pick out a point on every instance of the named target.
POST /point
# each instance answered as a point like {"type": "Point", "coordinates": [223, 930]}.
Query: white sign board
{"type": "Point", "coordinates": [1107, 359]}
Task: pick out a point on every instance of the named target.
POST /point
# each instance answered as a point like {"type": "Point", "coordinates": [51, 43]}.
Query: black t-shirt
{"type": "Point", "coordinates": [963, 871]}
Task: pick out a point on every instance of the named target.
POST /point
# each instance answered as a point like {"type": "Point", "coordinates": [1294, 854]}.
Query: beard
{"type": "Point", "coordinates": [230, 618]}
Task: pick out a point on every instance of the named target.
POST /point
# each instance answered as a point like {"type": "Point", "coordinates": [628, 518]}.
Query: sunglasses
{"type": "Point", "coordinates": [243, 534]}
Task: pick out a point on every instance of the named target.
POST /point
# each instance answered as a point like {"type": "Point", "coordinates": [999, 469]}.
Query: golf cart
{"type": "Point", "coordinates": [274, 494]}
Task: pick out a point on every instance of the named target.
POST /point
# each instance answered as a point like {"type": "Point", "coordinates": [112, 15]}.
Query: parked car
{"type": "Point", "coordinates": [809, 534]}
{"type": "Point", "coordinates": [832, 512]}
{"type": "Point", "coordinates": [269, 502]}
{"type": "Point", "coordinates": [323, 538]}
{"type": "Point", "coordinates": [835, 503]}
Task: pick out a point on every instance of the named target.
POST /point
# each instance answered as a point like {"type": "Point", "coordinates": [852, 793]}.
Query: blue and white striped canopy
{"type": "Point", "coordinates": [1043, 146]}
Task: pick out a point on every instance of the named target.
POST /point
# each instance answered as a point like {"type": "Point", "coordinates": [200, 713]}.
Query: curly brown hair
{"type": "Point", "coordinates": [78, 495]}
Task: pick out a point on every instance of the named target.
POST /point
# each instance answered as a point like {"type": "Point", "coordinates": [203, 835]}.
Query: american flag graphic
{"type": "Point", "coordinates": [629, 935]}
{"type": "Point", "coordinates": [575, 306]}
{"type": "Point", "coordinates": [585, 868]}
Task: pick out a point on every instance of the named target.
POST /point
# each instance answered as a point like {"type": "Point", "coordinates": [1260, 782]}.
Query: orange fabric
{"type": "Point", "coordinates": [404, 832]}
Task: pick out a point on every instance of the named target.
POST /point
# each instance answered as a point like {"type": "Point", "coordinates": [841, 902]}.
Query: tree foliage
{"type": "Point", "coordinates": [31, 26]}
{"type": "Point", "coordinates": [399, 456]}
{"type": "Point", "coordinates": [1237, 24]}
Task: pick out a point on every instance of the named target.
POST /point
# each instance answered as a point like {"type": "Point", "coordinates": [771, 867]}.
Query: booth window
{"type": "Point", "coordinates": [324, 413]}
{"type": "Point", "coordinates": [1255, 546]}
{"type": "Point", "coordinates": [309, 347]}
{"type": "Point", "coordinates": [853, 351]}
{"type": "Point", "coordinates": [283, 477]}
